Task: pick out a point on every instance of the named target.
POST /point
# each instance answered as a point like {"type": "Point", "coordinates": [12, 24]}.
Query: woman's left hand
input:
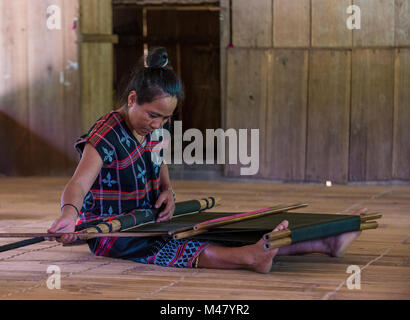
{"type": "Point", "coordinates": [166, 197]}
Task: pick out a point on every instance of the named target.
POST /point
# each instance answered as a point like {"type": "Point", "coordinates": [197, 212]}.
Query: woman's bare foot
{"type": "Point", "coordinates": [338, 245]}
{"type": "Point", "coordinates": [262, 259]}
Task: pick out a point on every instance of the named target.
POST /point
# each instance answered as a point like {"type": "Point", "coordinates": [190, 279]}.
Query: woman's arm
{"type": "Point", "coordinates": [167, 195]}
{"type": "Point", "coordinates": [165, 181]}
{"type": "Point", "coordinates": [75, 191]}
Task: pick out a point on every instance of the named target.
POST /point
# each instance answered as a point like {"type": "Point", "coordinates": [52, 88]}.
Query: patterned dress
{"type": "Point", "coordinates": [129, 180]}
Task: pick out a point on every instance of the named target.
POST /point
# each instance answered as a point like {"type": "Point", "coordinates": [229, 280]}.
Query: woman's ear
{"type": "Point", "coordinates": [132, 98]}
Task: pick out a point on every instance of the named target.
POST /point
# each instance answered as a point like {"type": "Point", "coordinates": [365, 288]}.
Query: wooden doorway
{"type": "Point", "coordinates": [191, 35]}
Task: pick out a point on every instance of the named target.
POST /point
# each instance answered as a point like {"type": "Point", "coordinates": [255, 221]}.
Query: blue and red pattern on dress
{"type": "Point", "coordinates": [129, 180]}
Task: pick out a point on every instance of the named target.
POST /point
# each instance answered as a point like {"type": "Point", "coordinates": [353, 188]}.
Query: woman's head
{"type": "Point", "coordinates": [152, 93]}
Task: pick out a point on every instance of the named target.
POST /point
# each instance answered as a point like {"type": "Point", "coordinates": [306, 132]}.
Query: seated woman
{"type": "Point", "coordinates": [117, 174]}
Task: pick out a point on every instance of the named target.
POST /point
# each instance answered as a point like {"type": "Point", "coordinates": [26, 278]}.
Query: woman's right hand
{"type": "Point", "coordinates": [61, 225]}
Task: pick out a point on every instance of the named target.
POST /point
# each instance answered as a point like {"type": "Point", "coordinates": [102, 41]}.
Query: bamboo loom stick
{"type": "Point", "coordinates": [370, 216]}
{"type": "Point", "coordinates": [282, 242]}
{"type": "Point", "coordinates": [369, 225]}
{"type": "Point", "coordinates": [189, 233]}
{"type": "Point", "coordinates": [186, 232]}
{"type": "Point", "coordinates": [103, 225]}
{"type": "Point", "coordinates": [245, 216]}
{"type": "Point", "coordinates": [285, 241]}
{"type": "Point", "coordinates": [204, 205]}
{"type": "Point", "coordinates": [274, 235]}
{"type": "Point", "coordinates": [83, 235]}
{"type": "Point", "coordinates": [180, 230]}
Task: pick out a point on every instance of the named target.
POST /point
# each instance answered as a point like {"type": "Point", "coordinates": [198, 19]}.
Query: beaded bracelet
{"type": "Point", "coordinates": [196, 262]}
{"type": "Point", "coordinates": [69, 204]}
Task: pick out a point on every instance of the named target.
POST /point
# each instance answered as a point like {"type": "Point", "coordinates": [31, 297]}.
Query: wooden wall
{"type": "Point", "coordinates": [96, 56]}
{"type": "Point", "coordinates": [191, 37]}
{"type": "Point", "coordinates": [331, 103]}
{"type": "Point", "coordinates": [55, 83]}
{"type": "Point", "coordinates": [39, 94]}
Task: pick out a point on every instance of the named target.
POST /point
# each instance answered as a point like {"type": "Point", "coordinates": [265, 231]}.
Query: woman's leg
{"type": "Point", "coordinates": [256, 258]}
{"type": "Point", "coordinates": [253, 257]}
{"type": "Point", "coordinates": [334, 246]}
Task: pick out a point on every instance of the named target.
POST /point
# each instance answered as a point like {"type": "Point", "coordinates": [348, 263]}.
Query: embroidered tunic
{"type": "Point", "coordinates": [129, 180]}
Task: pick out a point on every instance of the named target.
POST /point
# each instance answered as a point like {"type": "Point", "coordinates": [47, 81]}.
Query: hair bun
{"type": "Point", "coordinates": [157, 58]}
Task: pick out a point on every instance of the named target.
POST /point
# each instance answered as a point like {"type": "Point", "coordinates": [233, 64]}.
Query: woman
{"type": "Point", "coordinates": [116, 175]}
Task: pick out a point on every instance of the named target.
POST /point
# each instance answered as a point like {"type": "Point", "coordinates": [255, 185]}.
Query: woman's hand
{"type": "Point", "coordinates": [65, 223]}
{"type": "Point", "coordinates": [165, 198]}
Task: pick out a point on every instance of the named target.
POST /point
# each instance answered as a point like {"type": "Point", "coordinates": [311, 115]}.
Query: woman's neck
{"type": "Point", "coordinates": [123, 111]}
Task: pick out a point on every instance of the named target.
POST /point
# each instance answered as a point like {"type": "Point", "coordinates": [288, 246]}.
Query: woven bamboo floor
{"type": "Point", "coordinates": [383, 255]}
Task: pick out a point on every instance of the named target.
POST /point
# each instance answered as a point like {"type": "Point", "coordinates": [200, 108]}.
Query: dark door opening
{"type": "Point", "coordinates": [192, 38]}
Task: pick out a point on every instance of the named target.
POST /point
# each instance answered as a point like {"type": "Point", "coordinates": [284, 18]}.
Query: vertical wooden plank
{"type": "Point", "coordinates": [377, 23]}
{"type": "Point", "coordinates": [127, 24]}
{"type": "Point", "coordinates": [329, 23]}
{"type": "Point", "coordinates": [14, 133]}
{"type": "Point", "coordinates": [252, 23]}
{"type": "Point", "coordinates": [291, 23]}
{"type": "Point", "coordinates": [200, 68]}
{"type": "Point", "coordinates": [96, 16]}
{"type": "Point", "coordinates": [402, 22]}
{"type": "Point", "coordinates": [247, 98]}
{"type": "Point", "coordinates": [401, 138]}
{"type": "Point", "coordinates": [286, 116]}
{"type": "Point", "coordinates": [224, 30]}
{"type": "Point", "coordinates": [46, 122]}
{"type": "Point", "coordinates": [72, 107]}
{"type": "Point", "coordinates": [371, 133]}
{"type": "Point", "coordinates": [225, 39]}
{"type": "Point", "coordinates": [200, 71]}
{"type": "Point", "coordinates": [328, 124]}
{"type": "Point", "coordinates": [96, 62]}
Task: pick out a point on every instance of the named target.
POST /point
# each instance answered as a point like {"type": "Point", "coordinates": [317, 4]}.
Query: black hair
{"type": "Point", "coordinates": [154, 80]}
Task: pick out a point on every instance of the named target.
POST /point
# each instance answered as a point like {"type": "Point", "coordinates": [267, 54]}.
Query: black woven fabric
{"type": "Point", "coordinates": [303, 226]}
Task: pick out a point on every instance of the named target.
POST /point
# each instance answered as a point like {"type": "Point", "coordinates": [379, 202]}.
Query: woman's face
{"type": "Point", "coordinates": [147, 117]}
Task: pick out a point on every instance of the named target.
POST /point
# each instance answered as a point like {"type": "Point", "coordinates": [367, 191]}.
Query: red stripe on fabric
{"type": "Point", "coordinates": [126, 196]}
{"type": "Point", "coordinates": [100, 246]}
{"type": "Point", "coordinates": [99, 124]}
{"type": "Point", "coordinates": [155, 181]}
{"type": "Point", "coordinates": [109, 246]}
{"type": "Point", "coordinates": [179, 253]}
{"type": "Point", "coordinates": [125, 163]}
{"type": "Point", "coordinates": [107, 126]}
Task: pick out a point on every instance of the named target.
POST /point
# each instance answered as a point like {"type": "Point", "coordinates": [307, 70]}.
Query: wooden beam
{"type": "Point", "coordinates": [328, 116]}
{"type": "Point", "coordinates": [98, 38]}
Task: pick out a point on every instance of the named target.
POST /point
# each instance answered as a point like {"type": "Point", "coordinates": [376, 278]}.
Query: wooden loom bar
{"type": "Point", "coordinates": [189, 233]}
{"type": "Point", "coordinates": [245, 216]}
{"type": "Point", "coordinates": [370, 216]}
{"type": "Point", "coordinates": [285, 241]}
{"type": "Point", "coordinates": [83, 235]}
{"type": "Point", "coordinates": [369, 225]}
{"type": "Point", "coordinates": [105, 226]}
{"type": "Point", "coordinates": [204, 203]}
{"type": "Point", "coordinates": [203, 227]}
{"type": "Point", "coordinates": [274, 235]}
{"type": "Point", "coordinates": [278, 243]}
